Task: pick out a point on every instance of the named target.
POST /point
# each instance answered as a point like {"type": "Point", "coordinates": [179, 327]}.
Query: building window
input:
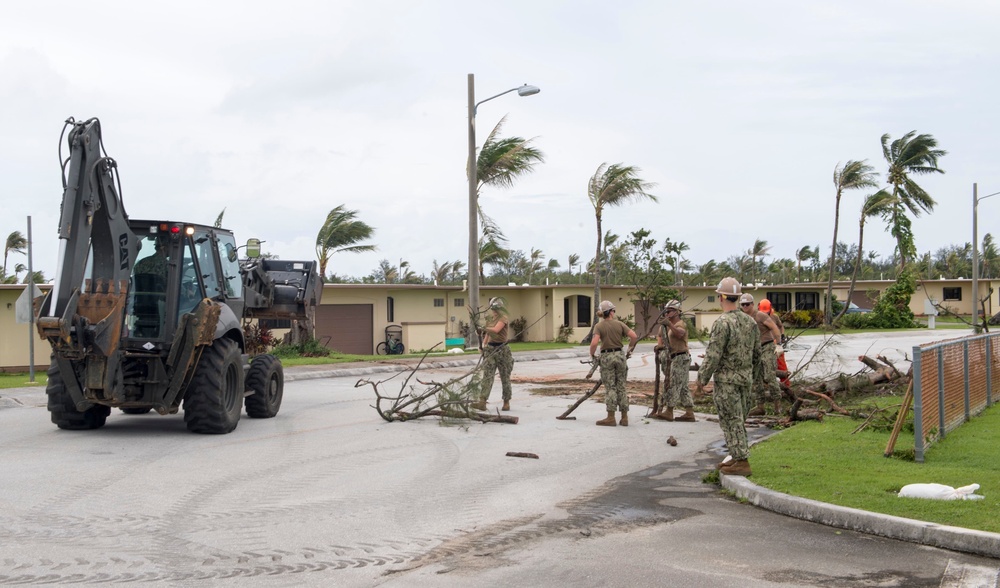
{"type": "Point", "coordinates": [460, 302]}
{"type": "Point", "coordinates": [780, 301]}
{"type": "Point", "coordinates": [390, 309]}
{"type": "Point", "coordinates": [439, 303]}
{"type": "Point", "coordinates": [806, 301]}
{"type": "Point", "coordinates": [710, 298]}
{"type": "Point", "coordinates": [952, 293]}
{"type": "Point", "coordinates": [275, 323]}
{"type": "Point", "coordinates": [583, 313]}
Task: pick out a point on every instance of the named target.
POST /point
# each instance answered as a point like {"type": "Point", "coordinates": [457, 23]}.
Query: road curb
{"type": "Point", "coordinates": [842, 517]}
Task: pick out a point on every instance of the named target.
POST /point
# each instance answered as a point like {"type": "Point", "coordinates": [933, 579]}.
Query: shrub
{"type": "Point", "coordinates": [308, 348]}
{"type": "Point", "coordinates": [565, 331]}
{"type": "Point", "coordinates": [517, 327]}
{"type": "Point", "coordinates": [258, 338]}
{"type": "Point", "coordinates": [856, 320]}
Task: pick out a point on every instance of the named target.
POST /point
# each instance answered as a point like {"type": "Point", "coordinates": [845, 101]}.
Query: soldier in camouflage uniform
{"type": "Point", "coordinates": [496, 355]}
{"type": "Point", "coordinates": [675, 362]}
{"type": "Point", "coordinates": [765, 386]}
{"type": "Point", "coordinates": [155, 264]}
{"type": "Point", "coordinates": [732, 351]}
{"type": "Point", "coordinates": [610, 333]}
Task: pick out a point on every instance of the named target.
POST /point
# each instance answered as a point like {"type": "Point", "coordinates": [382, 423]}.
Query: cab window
{"type": "Point", "coordinates": [230, 266]}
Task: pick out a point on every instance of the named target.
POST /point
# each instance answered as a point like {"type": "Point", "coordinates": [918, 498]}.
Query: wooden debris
{"type": "Point", "coordinates": [521, 454]}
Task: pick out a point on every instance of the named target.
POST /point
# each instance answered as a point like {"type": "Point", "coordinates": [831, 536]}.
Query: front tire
{"type": "Point", "coordinates": [63, 410]}
{"type": "Point", "coordinates": [266, 378]}
{"type": "Point", "coordinates": [398, 349]}
{"type": "Point", "coordinates": [214, 399]}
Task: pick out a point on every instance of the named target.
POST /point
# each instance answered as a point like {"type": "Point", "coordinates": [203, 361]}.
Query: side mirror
{"type": "Point", "coordinates": [231, 252]}
{"type": "Point", "coordinates": [253, 248]}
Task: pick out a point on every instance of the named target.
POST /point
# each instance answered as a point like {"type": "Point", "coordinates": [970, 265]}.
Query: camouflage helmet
{"type": "Point", "coordinates": [673, 304]}
{"type": "Point", "coordinates": [747, 298]}
{"type": "Point", "coordinates": [606, 306]}
{"type": "Point", "coordinates": [729, 287]}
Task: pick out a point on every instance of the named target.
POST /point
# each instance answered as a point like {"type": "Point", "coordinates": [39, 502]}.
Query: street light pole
{"type": "Point", "coordinates": [975, 251]}
{"type": "Point", "coordinates": [473, 341]}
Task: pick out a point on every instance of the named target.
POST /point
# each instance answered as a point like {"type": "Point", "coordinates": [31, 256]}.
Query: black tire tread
{"type": "Point", "coordinates": [264, 403]}
{"type": "Point", "coordinates": [63, 410]}
{"type": "Point", "coordinates": [209, 405]}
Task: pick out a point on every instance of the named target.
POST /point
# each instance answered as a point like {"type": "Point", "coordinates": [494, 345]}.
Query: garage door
{"type": "Point", "coordinates": [346, 328]}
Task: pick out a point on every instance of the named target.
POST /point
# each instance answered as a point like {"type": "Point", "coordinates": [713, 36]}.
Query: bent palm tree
{"type": "Point", "coordinates": [760, 249]}
{"type": "Point", "coordinates": [853, 176]}
{"type": "Point", "coordinates": [613, 185]}
{"type": "Point", "coordinates": [16, 243]}
{"type": "Point", "coordinates": [341, 231]}
{"type": "Point", "coordinates": [877, 204]}
{"type": "Point", "coordinates": [501, 161]}
{"type": "Point", "coordinates": [909, 155]}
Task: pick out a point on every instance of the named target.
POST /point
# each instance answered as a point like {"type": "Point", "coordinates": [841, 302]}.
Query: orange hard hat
{"type": "Point", "coordinates": [764, 306]}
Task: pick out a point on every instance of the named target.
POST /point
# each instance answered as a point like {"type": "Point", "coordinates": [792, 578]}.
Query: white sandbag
{"type": "Point", "coordinates": [940, 492]}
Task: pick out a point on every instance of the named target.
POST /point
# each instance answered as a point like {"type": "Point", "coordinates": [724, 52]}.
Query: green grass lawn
{"type": "Point", "coordinates": [22, 380]}
{"type": "Point", "coordinates": [825, 461]}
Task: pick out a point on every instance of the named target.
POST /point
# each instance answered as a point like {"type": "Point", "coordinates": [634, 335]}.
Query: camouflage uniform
{"type": "Point", "coordinates": [765, 385]}
{"type": "Point", "coordinates": [155, 264]}
{"type": "Point", "coordinates": [614, 369]}
{"type": "Point", "coordinates": [496, 356]}
{"type": "Point", "coordinates": [731, 354]}
{"type": "Point", "coordinates": [676, 391]}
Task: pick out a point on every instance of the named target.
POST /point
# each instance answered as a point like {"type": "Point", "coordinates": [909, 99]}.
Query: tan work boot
{"type": "Point", "coordinates": [624, 421]}
{"type": "Point", "coordinates": [506, 405]}
{"type": "Point", "coordinates": [608, 422]}
{"type": "Point", "coordinates": [480, 405]}
{"type": "Point", "coordinates": [665, 414]}
{"type": "Point", "coordinates": [687, 417]}
{"type": "Point", "coordinates": [739, 467]}
{"type": "Point", "coordinates": [757, 411]}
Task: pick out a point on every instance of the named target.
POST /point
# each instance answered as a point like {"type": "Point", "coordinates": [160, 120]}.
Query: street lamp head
{"type": "Point", "coordinates": [527, 90]}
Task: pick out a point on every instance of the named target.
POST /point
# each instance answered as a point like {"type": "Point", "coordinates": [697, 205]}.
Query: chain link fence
{"type": "Point", "coordinates": [952, 382]}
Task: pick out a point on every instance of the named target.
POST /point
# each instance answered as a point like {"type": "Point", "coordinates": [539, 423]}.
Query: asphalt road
{"type": "Point", "coordinates": [327, 493]}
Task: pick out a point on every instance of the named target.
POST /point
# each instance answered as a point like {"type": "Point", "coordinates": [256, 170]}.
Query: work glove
{"type": "Point", "coordinates": [779, 350]}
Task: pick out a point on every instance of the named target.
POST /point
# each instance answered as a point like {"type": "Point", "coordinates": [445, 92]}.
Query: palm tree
{"type": "Point", "coordinates": [853, 176]}
{"type": "Point", "coordinates": [457, 270]}
{"type": "Point", "coordinates": [804, 254]}
{"type": "Point", "coordinates": [613, 185]}
{"type": "Point", "coordinates": [760, 249]}
{"type": "Point", "coordinates": [218, 219]}
{"type": "Point", "coordinates": [534, 264]}
{"type": "Point", "coordinates": [441, 272]}
{"type": "Point", "coordinates": [16, 243]}
{"type": "Point", "coordinates": [988, 257]}
{"type": "Point", "coordinates": [491, 252]}
{"type": "Point", "coordinates": [677, 260]}
{"type": "Point", "coordinates": [876, 204]}
{"type": "Point", "coordinates": [573, 260]}
{"type": "Point", "coordinates": [911, 154]}
{"type": "Point", "coordinates": [501, 161]}
{"type": "Point", "coordinates": [341, 232]}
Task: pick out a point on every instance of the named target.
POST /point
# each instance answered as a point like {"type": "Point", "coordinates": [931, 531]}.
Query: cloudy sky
{"type": "Point", "coordinates": [279, 111]}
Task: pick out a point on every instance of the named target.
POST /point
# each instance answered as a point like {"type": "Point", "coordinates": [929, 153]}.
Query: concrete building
{"type": "Point", "coordinates": [353, 317]}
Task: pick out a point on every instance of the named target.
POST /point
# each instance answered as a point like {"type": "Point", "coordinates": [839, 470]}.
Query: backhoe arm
{"type": "Point", "coordinates": [78, 316]}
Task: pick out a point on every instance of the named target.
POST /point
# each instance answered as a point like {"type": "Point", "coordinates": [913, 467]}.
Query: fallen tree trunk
{"type": "Point", "coordinates": [881, 372]}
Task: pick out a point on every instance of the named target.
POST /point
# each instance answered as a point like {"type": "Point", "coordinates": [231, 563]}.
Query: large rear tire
{"type": "Point", "coordinates": [214, 399]}
{"type": "Point", "coordinates": [266, 378]}
{"type": "Point", "coordinates": [63, 410]}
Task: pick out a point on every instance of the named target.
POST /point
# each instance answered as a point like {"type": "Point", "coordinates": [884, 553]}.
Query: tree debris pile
{"type": "Point", "coordinates": [451, 400]}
